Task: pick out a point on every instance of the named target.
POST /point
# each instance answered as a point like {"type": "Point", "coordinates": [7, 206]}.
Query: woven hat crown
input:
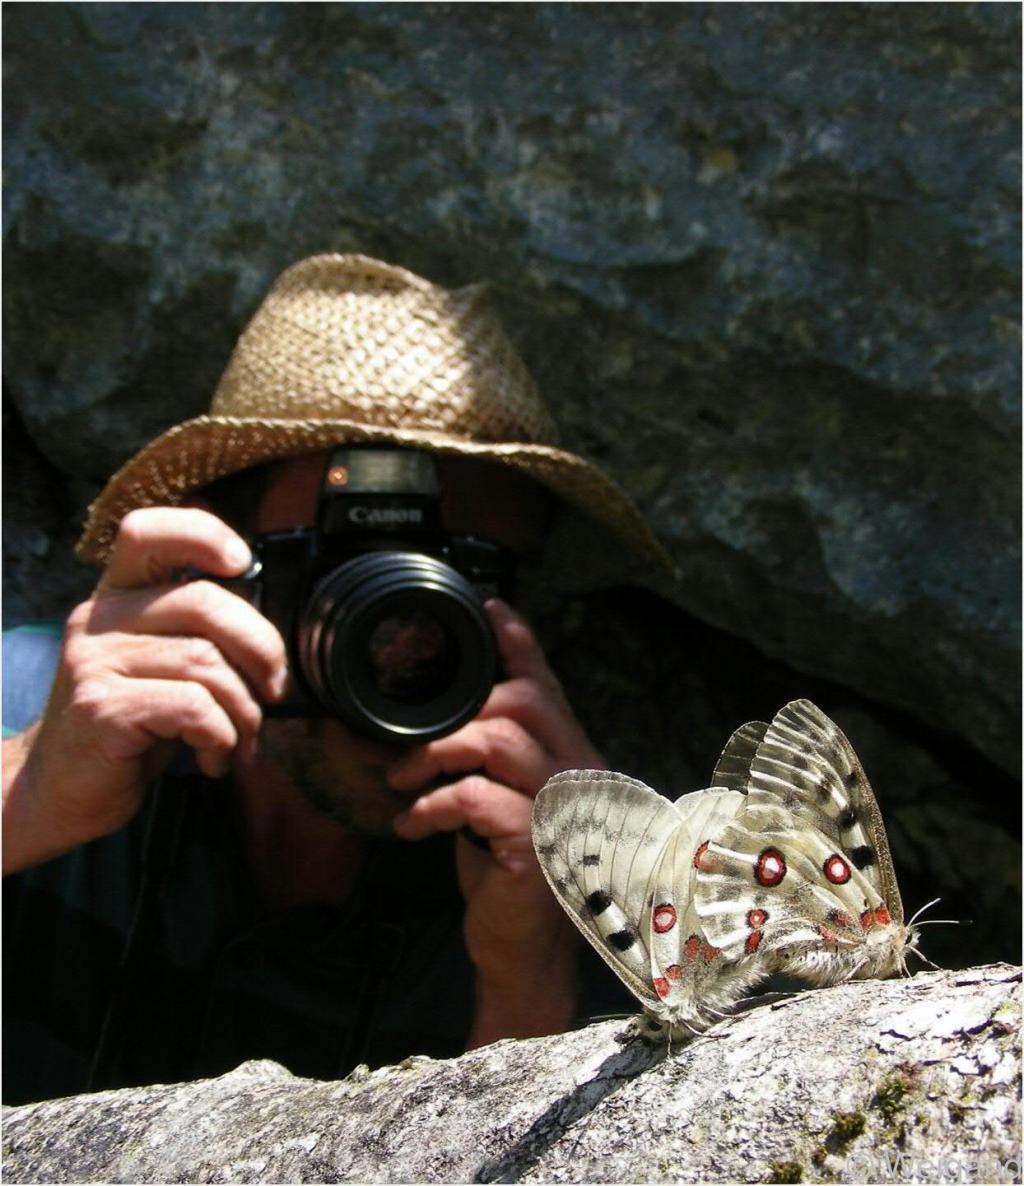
{"type": "Point", "coordinates": [345, 337]}
{"type": "Point", "coordinates": [349, 350]}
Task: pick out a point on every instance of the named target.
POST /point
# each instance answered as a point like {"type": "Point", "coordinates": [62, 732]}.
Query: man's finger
{"type": "Point", "coordinates": [200, 609]}
{"type": "Point", "coordinates": [490, 809]}
{"type": "Point", "coordinates": [531, 694]}
{"type": "Point", "coordinates": [545, 716]}
{"type": "Point", "coordinates": [154, 541]}
{"type": "Point", "coordinates": [125, 716]}
{"type": "Point", "coordinates": [196, 660]}
{"type": "Point", "coordinates": [501, 748]}
{"type": "Point", "coordinates": [521, 653]}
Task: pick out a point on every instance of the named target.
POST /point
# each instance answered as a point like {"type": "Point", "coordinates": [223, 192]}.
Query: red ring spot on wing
{"type": "Point", "coordinates": [664, 917]}
{"type": "Point", "coordinates": [770, 867]}
{"type": "Point", "coordinates": [753, 942]}
{"type": "Point", "coordinates": [691, 948]}
{"type": "Point", "coordinates": [756, 918]}
{"type": "Point", "coordinates": [836, 869]}
{"type": "Point", "coordinates": [673, 972]}
{"type": "Point", "coordinates": [710, 953]}
{"type": "Point", "coordinates": [882, 917]}
{"type": "Point", "coordinates": [867, 919]}
{"type": "Point", "coordinates": [661, 986]}
{"type": "Point", "coordinates": [703, 860]}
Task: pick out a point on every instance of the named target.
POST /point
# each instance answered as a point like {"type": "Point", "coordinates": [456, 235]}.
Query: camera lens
{"type": "Point", "coordinates": [398, 645]}
{"type": "Point", "coordinates": [413, 657]}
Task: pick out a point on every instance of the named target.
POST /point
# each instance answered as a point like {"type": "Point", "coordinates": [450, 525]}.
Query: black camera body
{"type": "Point", "coordinates": [381, 610]}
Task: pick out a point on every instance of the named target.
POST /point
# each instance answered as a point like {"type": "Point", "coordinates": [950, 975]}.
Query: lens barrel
{"type": "Point", "coordinates": [398, 645]}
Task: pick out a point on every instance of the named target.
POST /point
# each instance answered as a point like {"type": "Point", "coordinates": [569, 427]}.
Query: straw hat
{"type": "Point", "coordinates": [346, 349]}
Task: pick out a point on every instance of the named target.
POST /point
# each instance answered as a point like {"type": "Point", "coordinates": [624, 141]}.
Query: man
{"type": "Point", "coordinates": [172, 915]}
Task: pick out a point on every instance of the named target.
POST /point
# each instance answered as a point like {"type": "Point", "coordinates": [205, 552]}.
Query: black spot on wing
{"type": "Point", "coordinates": [622, 940]}
{"type": "Point", "coordinates": [847, 818]}
{"type": "Point", "coordinates": [547, 850]}
{"type": "Point", "coordinates": [852, 779]}
{"type": "Point", "coordinates": [862, 856]}
{"type": "Point", "coordinates": [591, 858]}
{"type": "Point", "coordinates": [598, 902]}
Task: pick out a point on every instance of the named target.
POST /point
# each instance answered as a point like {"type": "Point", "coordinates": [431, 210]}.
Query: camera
{"type": "Point", "coordinates": [381, 610]}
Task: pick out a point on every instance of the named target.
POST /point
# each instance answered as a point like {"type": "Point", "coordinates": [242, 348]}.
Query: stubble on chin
{"type": "Point", "coordinates": [314, 756]}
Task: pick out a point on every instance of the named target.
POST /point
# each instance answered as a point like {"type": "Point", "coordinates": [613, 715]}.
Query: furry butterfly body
{"type": "Point", "coordinates": [783, 864]}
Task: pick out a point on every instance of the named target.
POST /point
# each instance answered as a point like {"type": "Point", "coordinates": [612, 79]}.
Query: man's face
{"type": "Point", "coordinates": [341, 772]}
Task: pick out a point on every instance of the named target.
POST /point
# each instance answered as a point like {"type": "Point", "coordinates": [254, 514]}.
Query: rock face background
{"type": "Point", "coordinates": [762, 259]}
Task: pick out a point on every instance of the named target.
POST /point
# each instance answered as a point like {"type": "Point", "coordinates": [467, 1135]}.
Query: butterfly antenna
{"type": "Point", "coordinates": [926, 906]}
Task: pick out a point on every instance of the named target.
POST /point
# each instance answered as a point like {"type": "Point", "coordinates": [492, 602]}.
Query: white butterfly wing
{"type": "Point", "coordinates": [803, 870]}
{"type": "Point", "coordinates": [599, 837]}
{"type": "Point", "coordinates": [733, 769]}
{"type": "Point", "coordinates": [806, 765]}
{"type": "Point", "coordinates": [765, 891]}
{"type": "Point", "coordinates": [784, 863]}
{"type": "Point", "coordinates": [684, 959]}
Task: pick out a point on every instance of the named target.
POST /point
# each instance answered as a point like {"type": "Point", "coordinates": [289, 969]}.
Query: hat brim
{"type": "Point", "coordinates": [194, 454]}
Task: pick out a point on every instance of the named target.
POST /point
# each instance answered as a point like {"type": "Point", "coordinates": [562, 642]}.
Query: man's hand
{"type": "Point", "coordinates": [521, 943]}
{"type": "Point", "coordinates": [145, 663]}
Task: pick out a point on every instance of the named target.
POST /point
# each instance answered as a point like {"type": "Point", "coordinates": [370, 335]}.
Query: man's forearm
{"type": "Point", "coordinates": [531, 1005]}
{"type": "Point", "coordinates": [30, 837]}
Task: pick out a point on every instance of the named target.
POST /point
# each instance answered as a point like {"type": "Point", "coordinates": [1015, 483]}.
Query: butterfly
{"type": "Point", "coordinates": [782, 864]}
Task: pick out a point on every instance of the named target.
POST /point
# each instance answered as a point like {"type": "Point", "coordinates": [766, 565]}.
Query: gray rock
{"type": "Point", "coordinates": [916, 1081]}
{"type": "Point", "coordinates": [763, 260]}
{"type": "Point", "coordinates": [776, 250]}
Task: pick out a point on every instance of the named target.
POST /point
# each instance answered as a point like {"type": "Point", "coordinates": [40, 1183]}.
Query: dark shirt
{"type": "Point", "coordinates": [137, 958]}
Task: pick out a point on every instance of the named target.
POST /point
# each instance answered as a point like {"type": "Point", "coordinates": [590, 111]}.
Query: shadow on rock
{"type": "Point", "coordinates": [617, 1070]}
